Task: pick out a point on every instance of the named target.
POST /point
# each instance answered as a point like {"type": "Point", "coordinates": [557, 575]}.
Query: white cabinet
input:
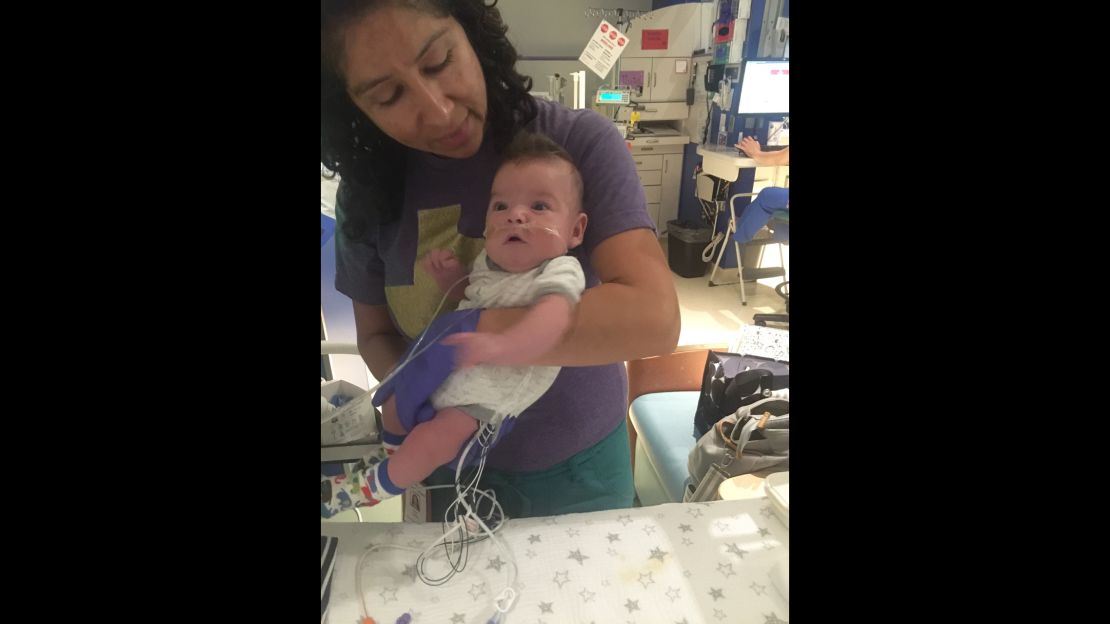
{"type": "Point", "coordinates": [686, 26]}
{"type": "Point", "coordinates": [669, 78]}
{"type": "Point", "coordinates": [659, 167]}
{"type": "Point", "coordinates": [639, 70]}
{"type": "Point", "coordinates": [657, 79]}
{"type": "Point", "coordinates": [646, 162]}
{"type": "Point", "coordinates": [671, 182]}
{"type": "Point", "coordinates": [771, 176]}
{"type": "Point", "coordinates": [650, 178]}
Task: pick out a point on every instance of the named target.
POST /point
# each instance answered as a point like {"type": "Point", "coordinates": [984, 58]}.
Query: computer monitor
{"type": "Point", "coordinates": [765, 88]}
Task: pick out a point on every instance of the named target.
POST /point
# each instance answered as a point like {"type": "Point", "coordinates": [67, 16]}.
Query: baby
{"type": "Point", "coordinates": [534, 218]}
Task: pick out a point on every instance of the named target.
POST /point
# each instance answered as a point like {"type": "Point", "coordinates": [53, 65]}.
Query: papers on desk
{"type": "Point", "coordinates": [767, 342]}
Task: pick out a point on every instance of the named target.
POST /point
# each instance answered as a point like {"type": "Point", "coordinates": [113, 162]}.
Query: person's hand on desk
{"type": "Point", "coordinates": [750, 147]}
{"type": "Point", "coordinates": [754, 151]}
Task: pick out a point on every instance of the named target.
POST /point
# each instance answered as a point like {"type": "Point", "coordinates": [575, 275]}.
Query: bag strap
{"type": "Point", "coordinates": [775, 405]}
{"type": "Point", "coordinates": [737, 444]}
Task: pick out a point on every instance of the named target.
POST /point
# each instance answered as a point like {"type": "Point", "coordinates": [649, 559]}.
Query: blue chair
{"type": "Point", "coordinates": [663, 395]}
{"type": "Point", "coordinates": [747, 274]}
{"type": "Point", "coordinates": [780, 232]}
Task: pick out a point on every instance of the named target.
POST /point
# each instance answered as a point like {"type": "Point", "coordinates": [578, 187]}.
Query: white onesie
{"type": "Point", "coordinates": [486, 391]}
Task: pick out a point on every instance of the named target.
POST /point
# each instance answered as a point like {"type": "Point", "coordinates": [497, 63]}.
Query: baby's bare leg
{"type": "Point", "coordinates": [390, 421]}
{"type": "Point", "coordinates": [431, 445]}
{"type": "Point", "coordinates": [393, 434]}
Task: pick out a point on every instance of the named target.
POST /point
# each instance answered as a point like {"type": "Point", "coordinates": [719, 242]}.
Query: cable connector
{"type": "Point", "coordinates": [505, 600]}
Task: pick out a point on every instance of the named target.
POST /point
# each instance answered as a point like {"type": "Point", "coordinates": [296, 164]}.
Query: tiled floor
{"type": "Point", "coordinates": [713, 315]}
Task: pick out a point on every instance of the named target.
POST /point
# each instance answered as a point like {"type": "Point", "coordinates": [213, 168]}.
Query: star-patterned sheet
{"type": "Point", "coordinates": [682, 563]}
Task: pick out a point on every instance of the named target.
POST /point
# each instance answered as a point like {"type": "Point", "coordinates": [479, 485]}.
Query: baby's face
{"type": "Point", "coordinates": [534, 214]}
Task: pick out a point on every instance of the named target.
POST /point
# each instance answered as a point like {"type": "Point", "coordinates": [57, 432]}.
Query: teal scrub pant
{"type": "Point", "coordinates": [596, 478]}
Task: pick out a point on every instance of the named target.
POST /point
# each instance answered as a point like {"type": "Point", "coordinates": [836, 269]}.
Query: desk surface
{"type": "Point", "coordinates": [725, 161]}
{"type": "Point", "coordinates": [702, 563]}
{"type": "Point", "coordinates": [729, 153]}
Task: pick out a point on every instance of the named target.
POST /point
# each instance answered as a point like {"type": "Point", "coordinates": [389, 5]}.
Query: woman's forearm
{"type": "Point", "coordinates": [632, 314]}
{"type": "Point", "coordinates": [612, 323]}
{"type": "Point", "coordinates": [541, 328]}
{"type": "Point", "coordinates": [776, 158]}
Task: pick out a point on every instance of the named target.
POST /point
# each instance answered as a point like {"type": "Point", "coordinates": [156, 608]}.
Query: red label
{"type": "Point", "coordinates": [620, 41]}
{"type": "Point", "coordinates": [654, 39]}
{"type": "Point", "coordinates": [604, 28]}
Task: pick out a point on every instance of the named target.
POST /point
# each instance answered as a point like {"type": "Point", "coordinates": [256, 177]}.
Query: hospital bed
{"type": "Point", "coordinates": [701, 563]}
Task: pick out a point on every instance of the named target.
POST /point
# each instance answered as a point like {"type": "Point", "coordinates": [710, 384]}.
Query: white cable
{"type": "Point", "coordinates": [711, 248]}
{"type": "Point", "coordinates": [358, 571]}
{"type": "Point", "coordinates": [415, 351]}
{"type": "Point", "coordinates": [506, 598]}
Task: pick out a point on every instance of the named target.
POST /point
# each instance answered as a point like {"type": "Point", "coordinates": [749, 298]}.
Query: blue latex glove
{"type": "Point", "coordinates": [422, 376]}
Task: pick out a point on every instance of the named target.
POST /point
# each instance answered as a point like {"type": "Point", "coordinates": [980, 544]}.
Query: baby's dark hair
{"type": "Point", "coordinates": [527, 146]}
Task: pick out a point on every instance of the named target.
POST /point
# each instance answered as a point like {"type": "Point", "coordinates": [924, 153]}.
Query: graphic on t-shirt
{"type": "Point", "coordinates": [437, 228]}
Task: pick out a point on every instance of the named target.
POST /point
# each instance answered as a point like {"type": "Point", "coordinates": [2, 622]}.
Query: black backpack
{"type": "Point", "coordinates": [731, 381]}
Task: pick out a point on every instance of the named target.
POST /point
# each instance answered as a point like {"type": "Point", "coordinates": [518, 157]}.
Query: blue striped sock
{"type": "Point", "coordinates": [392, 441]}
{"type": "Point", "coordinates": [381, 479]}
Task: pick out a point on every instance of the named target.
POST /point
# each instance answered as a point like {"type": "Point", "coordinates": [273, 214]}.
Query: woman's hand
{"type": "Point", "coordinates": [750, 147]}
{"type": "Point", "coordinates": [754, 151]}
{"type": "Point", "coordinates": [475, 348]}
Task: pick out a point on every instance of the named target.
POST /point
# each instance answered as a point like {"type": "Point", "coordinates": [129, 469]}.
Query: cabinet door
{"type": "Point", "coordinates": [648, 162]}
{"type": "Point", "coordinates": [669, 187]}
{"type": "Point", "coordinates": [641, 67]}
{"type": "Point", "coordinates": [650, 178]}
{"type": "Point", "coordinates": [770, 176]}
{"type": "Point", "coordinates": [782, 176]}
{"type": "Point", "coordinates": [666, 83]}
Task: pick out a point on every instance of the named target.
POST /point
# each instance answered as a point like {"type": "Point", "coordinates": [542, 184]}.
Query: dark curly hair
{"type": "Point", "coordinates": [370, 163]}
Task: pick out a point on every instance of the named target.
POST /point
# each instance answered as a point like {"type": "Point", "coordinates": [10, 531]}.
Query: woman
{"type": "Point", "coordinates": [417, 99]}
{"type": "Point", "coordinates": [770, 200]}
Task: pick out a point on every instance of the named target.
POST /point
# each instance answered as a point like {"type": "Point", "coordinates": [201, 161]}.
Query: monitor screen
{"type": "Point", "coordinates": [612, 96]}
{"type": "Point", "coordinates": [765, 87]}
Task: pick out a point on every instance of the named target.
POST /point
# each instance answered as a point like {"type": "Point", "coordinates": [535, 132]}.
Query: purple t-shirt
{"type": "Point", "coordinates": [445, 208]}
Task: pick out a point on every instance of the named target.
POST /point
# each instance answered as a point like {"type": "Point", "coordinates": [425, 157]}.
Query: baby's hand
{"type": "Point", "coordinates": [441, 262]}
{"type": "Point", "coordinates": [480, 348]}
{"type": "Point", "coordinates": [444, 268]}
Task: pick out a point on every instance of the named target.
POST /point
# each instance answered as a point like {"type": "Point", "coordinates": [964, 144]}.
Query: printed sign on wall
{"type": "Point", "coordinates": [603, 49]}
{"type": "Point", "coordinates": [655, 39]}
